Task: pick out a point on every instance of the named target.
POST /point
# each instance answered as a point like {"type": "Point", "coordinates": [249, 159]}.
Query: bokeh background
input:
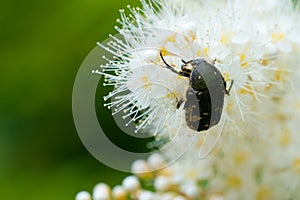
{"type": "Point", "coordinates": [42, 45]}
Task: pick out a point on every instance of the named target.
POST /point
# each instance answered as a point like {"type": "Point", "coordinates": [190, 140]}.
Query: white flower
{"type": "Point", "coordinates": [147, 195]}
{"type": "Point", "coordinates": [214, 31]}
{"type": "Point", "coordinates": [179, 198]}
{"type": "Point", "coordinates": [131, 183]}
{"type": "Point", "coordinates": [119, 193]}
{"type": "Point", "coordinates": [156, 161]}
{"type": "Point", "coordinates": [83, 195]}
{"type": "Point", "coordinates": [191, 189]}
{"type": "Point", "coordinates": [140, 166]}
{"type": "Point", "coordinates": [162, 183]}
{"type": "Point", "coordinates": [254, 43]}
{"type": "Point", "coordinates": [101, 192]}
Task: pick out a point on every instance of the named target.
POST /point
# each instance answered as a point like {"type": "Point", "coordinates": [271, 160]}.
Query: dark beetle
{"type": "Point", "coordinates": [205, 96]}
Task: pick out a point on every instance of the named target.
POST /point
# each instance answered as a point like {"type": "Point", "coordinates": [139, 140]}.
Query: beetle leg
{"type": "Point", "coordinates": [183, 61]}
{"type": "Point", "coordinates": [214, 61]}
{"type": "Point", "coordinates": [228, 90]}
{"type": "Point", "coordinates": [172, 68]}
{"type": "Point", "coordinates": [179, 103]}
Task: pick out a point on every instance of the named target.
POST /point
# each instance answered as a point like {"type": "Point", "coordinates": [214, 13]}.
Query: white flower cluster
{"type": "Point", "coordinates": [256, 43]}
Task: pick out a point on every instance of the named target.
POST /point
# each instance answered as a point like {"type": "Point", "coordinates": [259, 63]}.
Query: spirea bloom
{"type": "Point", "coordinates": [254, 43]}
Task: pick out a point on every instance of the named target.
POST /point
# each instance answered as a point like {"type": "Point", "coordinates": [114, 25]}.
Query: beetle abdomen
{"type": "Point", "coordinates": [200, 113]}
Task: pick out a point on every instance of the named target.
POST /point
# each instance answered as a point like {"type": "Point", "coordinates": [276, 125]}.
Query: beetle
{"type": "Point", "coordinates": [206, 81]}
{"type": "Point", "coordinates": [204, 98]}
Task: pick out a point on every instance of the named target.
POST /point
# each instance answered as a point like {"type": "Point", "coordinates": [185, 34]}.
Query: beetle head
{"type": "Point", "coordinates": [187, 68]}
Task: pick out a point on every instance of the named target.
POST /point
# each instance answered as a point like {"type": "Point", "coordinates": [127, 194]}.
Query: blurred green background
{"type": "Point", "coordinates": [42, 45]}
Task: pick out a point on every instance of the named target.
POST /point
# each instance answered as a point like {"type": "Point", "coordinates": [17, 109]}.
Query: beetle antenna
{"type": "Point", "coordinates": [214, 61]}
{"type": "Point", "coordinates": [184, 62]}
{"type": "Point", "coordinates": [228, 90]}
{"type": "Point", "coordinates": [169, 66]}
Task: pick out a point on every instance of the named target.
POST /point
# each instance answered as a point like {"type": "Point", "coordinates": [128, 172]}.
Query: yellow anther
{"type": "Point", "coordinates": [280, 75]}
{"type": "Point", "coordinates": [240, 157]}
{"type": "Point", "coordinates": [244, 64]}
{"type": "Point", "coordinates": [285, 138]}
{"type": "Point", "coordinates": [205, 50]}
{"type": "Point", "coordinates": [145, 79]}
{"type": "Point", "coordinates": [171, 95]}
{"type": "Point", "coordinates": [146, 82]}
{"type": "Point", "coordinates": [234, 181]}
{"type": "Point", "coordinates": [225, 38]}
{"type": "Point", "coordinates": [226, 76]}
{"type": "Point", "coordinates": [264, 62]}
{"type": "Point", "coordinates": [229, 106]}
{"type": "Point", "coordinates": [246, 90]}
{"type": "Point", "coordinates": [242, 57]}
{"type": "Point", "coordinates": [263, 193]}
{"type": "Point", "coordinates": [296, 165]}
{"type": "Point", "coordinates": [192, 174]}
{"type": "Point", "coordinates": [277, 37]}
{"type": "Point", "coordinates": [198, 53]}
{"type": "Point", "coordinates": [171, 38]}
{"type": "Point", "coordinates": [164, 52]}
{"type": "Point", "coordinates": [268, 87]}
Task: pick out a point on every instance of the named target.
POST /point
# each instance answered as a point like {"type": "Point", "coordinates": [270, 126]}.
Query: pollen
{"type": "Point", "coordinates": [171, 95]}
{"type": "Point", "coordinates": [226, 76]}
{"type": "Point", "coordinates": [205, 50]}
{"type": "Point", "coordinates": [164, 52]}
{"type": "Point", "coordinates": [234, 181]}
{"type": "Point", "coordinates": [179, 77]}
{"type": "Point", "coordinates": [244, 64]}
{"type": "Point", "coordinates": [268, 87]}
{"type": "Point", "coordinates": [246, 90]}
{"type": "Point", "coordinates": [192, 174]}
{"type": "Point", "coordinates": [165, 172]}
{"type": "Point", "coordinates": [285, 138]}
{"type": "Point", "coordinates": [263, 193]}
{"type": "Point", "coordinates": [279, 75]}
{"type": "Point", "coordinates": [193, 37]}
{"type": "Point", "coordinates": [277, 37]}
{"type": "Point", "coordinates": [296, 165]}
{"type": "Point", "coordinates": [229, 106]}
{"type": "Point", "coordinates": [145, 79]}
{"type": "Point", "coordinates": [264, 62]}
{"type": "Point", "coordinates": [240, 157]}
{"type": "Point", "coordinates": [281, 117]}
{"type": "Point", "coordinates": [198, 53]}
{"type": "Point", "coordinates": [171, 38]}
{"type": "Point", "coordinates": [225, 38]}
{"type": "Point", "coordinates": [199, 142]}
{"type": "Point", "coordinates": [242, 57]}
{"type": "Point", "coordinates": [298, 106]}
{"type": "Point", "coordinates": [146, 83]}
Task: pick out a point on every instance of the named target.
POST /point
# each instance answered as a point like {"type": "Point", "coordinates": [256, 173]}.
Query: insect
{"type": "Point", "coordinates": [204, 99]}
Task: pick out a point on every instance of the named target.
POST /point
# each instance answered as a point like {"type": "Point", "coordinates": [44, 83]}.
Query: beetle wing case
{"type": "Point", "coordinates": [205, 97]}
{"type": "Point", "coordinates": [211, 137]}
{"type": "Point", "coordinates": [197, 109]}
